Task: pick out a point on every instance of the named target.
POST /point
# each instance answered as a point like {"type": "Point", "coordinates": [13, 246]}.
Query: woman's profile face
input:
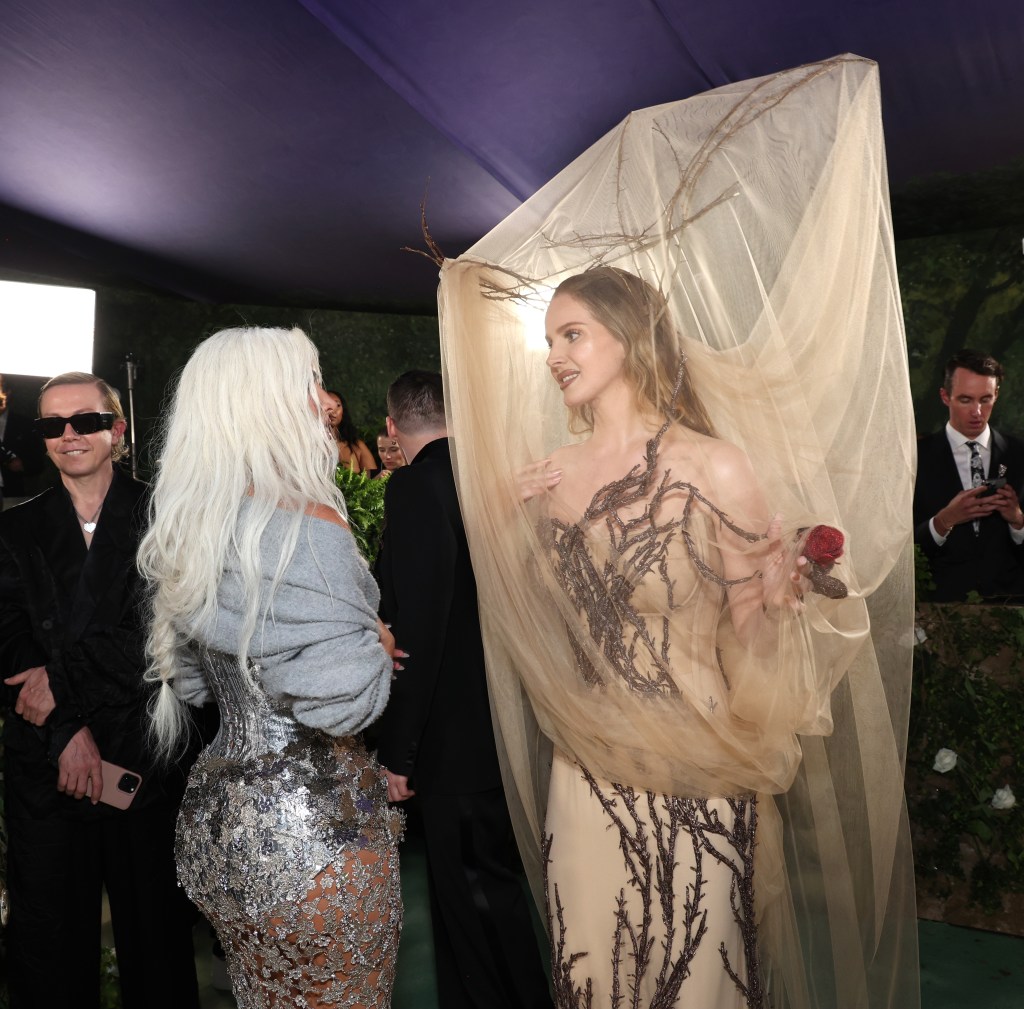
{"type": "Point", "coordinates": [585, 359]}
{"type": "Point", "coordinates": [390, 454]}
{"type": "Point", "coordinates": [325, 401]}
{"type": "Point", "coordinates": [333, 409]}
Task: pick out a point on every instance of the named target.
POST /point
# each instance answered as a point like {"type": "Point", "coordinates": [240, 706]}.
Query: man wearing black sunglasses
{"type": "Point", "coordinates": [71, 656]}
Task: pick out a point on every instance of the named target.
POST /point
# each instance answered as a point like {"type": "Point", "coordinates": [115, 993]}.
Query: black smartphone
{"type": "Point", "coordinates": [991, 486]}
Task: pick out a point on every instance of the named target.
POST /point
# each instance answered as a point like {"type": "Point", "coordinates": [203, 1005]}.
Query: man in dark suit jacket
{"type": "Point", "coordinates": [436, 739]}
{"type": "Point", "coordinates": [71, 656]}
{"type": "Point", "coordinates": [21, 450]}
{"type": "Point", "coordinates": [971, 530]}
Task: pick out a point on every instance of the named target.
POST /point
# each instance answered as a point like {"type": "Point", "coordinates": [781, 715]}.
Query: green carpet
{"type": "Point", "coordinates": [415, 984]}
{"type": "Point", "coordinates": [962, 968]}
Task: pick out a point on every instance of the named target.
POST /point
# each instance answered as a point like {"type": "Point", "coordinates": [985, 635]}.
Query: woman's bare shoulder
{"type": "Point", "coordinates": [722, 459]}
{"type": "Point", "coordinates": [325, 512]}
{"type": "Point", "coordinates": [566, 454]}
{"type": "Point", "coordinates": [366, 457]}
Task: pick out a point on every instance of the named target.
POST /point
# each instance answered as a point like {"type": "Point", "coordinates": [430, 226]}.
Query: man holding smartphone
{"type": "Point", "coordinates": [86, 809]}
{"type": "Point", "coordinates": [970, 477]}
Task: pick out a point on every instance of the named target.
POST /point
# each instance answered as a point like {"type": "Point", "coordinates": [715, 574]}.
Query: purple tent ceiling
{"type": "Point", "coordinates": [277, 150]}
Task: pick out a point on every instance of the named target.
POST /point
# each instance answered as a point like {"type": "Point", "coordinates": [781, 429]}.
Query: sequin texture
{"type": "Point", "coordinates": [286, 842]}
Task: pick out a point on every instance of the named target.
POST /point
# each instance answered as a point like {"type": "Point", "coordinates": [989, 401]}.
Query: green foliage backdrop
{"type": "Point", "coordinates": [360, 352]}
{"type": "Point", "coordinates": [964, 290]}
{"type": "Point", "coordinates": [968, 699]}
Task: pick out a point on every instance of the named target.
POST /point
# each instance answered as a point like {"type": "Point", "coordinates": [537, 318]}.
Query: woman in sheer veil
{"type": "Point", "coordinates": [705, 767]}
{"type": "Point", "coordinates": [649, 522]}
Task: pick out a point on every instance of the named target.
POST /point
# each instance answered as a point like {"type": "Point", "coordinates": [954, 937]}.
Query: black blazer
{"type": "Point", "coordinates": [989, 563]}
{"type": "Point", "coordinates": [22, 440]}
{"type": "Point", "coordinates": [79, 613]}
{"type": "Point", "coordinates": [437, 725]}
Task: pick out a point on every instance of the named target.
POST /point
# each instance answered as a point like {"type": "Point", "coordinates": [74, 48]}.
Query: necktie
{"type": "Point", "coordinates": [977, 475]}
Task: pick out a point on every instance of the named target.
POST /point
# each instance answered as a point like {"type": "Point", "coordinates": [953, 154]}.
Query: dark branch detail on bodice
{"type": "Point", "coordinates": [637, 547]}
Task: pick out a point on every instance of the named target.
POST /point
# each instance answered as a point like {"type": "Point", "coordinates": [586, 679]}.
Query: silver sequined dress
{"type": "Point", "coordinates": [285, 839]}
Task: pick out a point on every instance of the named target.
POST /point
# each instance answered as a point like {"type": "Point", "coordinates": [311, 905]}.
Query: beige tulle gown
{"type": "Point", "coordinates": [714, 805]}
{"type": "Point", "coordinates": [650, 897]}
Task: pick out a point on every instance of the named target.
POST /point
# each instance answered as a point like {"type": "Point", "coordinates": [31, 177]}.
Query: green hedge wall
{"type": "Point", "coordinates": [360, 352]}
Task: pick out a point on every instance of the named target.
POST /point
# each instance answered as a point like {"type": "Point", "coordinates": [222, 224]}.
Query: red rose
{"type": "Point", "coordinates": [824, 546]}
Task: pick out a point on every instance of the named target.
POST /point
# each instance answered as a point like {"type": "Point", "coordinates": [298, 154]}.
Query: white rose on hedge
{"type": "Point", "coordinates": [945, 760]}
{"type": "Point", "coordinates": [1004, 798]}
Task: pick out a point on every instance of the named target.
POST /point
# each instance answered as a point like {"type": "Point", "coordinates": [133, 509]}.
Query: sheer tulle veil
{"type": "Point", "coordinates": [760, 213]}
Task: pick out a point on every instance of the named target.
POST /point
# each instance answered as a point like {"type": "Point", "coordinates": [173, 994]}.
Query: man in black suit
{"type": "Point", "coordinates": [71, 656]}
{"type": "Point", "coordinates": [21, 450]}
{"type": "Point", "coordinates": [436, 739]}
{"type": "Point", "coordinates": [967, 513]}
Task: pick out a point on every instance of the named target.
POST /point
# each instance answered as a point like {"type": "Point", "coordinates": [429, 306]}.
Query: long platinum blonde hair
{"type": "Point", "coordinates": [243, 425]}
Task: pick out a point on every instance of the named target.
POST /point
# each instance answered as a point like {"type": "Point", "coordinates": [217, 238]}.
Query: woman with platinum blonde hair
{"type": "Point", "coordinates": [261, 602]}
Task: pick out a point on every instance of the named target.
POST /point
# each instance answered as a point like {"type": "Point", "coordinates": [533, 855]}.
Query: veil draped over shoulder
{"type": "Point", "coordinates": [760, 212]}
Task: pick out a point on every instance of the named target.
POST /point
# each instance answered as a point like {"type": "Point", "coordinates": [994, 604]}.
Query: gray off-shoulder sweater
{"type": "Point", "coordinates": [318, 649]}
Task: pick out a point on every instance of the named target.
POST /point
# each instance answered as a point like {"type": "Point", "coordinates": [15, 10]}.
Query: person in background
{"type": "Point", "coordinates": [970, 477]}
{"type": "Point", "coordinates": [21, 451]}
{"type": "Point", "coordinates": [390, 452]}
{"type": "Point", "coordinates": [436, 740]}
{"type": "Point", "coordinates": [72, 659]}
{"type": "Point", "coordinates": [353, 452]}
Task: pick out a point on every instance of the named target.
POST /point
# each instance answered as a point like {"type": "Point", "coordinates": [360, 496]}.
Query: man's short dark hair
{"type": "Point", "coordinates": [416, 401]}
{"type": "Point", "coordinates": [972, 360]}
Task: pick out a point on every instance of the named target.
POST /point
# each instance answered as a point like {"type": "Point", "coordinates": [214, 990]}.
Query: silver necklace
{"type": "Point", "coordinates": [90, 525]}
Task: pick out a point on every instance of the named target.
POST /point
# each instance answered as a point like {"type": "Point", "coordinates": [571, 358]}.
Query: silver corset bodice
{"type": "Point", "coordinates": [251, 722]}
{"type": "Point", "coordinates": [270, 802]}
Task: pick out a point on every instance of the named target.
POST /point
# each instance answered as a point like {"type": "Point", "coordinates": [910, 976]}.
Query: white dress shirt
{"type": "Point", "coordinates": [962, 458]}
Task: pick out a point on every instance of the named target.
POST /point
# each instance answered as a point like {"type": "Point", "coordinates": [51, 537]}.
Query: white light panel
{"type": "Point", "coordinates": [45, 330]}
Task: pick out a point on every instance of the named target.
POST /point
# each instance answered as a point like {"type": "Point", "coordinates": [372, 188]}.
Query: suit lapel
{"type": "Point", "coordinates": [60, 540]}
{"type": "Point", "coordinates": [104, 561]}
{"type": "Point", "coordinates": [948, 473]}
{"type": "Point", "coordinates": [998, 446]}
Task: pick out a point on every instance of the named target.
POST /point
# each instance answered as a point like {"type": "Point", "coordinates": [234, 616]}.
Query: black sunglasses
{"type": "Point", "coordinates": [81, 423]}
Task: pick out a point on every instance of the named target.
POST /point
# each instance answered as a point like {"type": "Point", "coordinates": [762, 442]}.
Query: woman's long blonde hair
{"type": "Point", "coordinates": [638, 317]}
{"type": "Point", "coordinates": [243, 425]}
